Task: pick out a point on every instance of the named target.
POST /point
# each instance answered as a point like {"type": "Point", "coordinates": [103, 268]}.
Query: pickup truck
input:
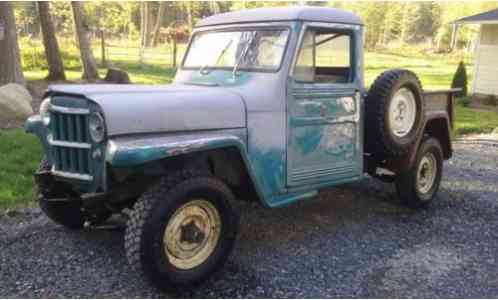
{"type": "Point", "coordinates": [268, 105]}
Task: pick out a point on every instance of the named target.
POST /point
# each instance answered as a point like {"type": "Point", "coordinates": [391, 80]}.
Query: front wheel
{"type": "Point", "coordinates": [418, 186]}
{"type": "Point", "coordinates": [181, 230]}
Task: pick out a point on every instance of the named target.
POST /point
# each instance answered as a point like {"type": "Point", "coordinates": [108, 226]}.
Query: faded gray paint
{"type": "Point", "coordinates": [142, 109]}
{"type": "Point", "coordinates": [274, 14]}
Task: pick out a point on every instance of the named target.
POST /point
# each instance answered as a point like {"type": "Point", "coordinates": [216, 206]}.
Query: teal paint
{"type": "Point", "coordinates": [220, 77]}
{"type": "Point", "coordinates": [323, 143]}
{"type": "Point", "coordinates": [127, 155]}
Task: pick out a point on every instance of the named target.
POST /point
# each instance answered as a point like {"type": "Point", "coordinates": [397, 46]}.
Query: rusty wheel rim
{"type": "Point", "coordinates": [192, 234]}
{"type": "Point", "coordinates": [426, 173]}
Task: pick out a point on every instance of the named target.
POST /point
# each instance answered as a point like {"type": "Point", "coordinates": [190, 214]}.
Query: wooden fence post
{"type": "Point", "coordinates": [102, 48]}
{"type": "Point", "coordinates": [174, 51]}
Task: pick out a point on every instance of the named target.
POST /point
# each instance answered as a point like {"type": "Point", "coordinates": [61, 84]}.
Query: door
{"type": "Point", "coordinates": [323, 142]}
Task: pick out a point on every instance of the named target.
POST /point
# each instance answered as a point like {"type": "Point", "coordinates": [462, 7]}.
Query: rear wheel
{"type": "Point", "coordinates": [418, 186]}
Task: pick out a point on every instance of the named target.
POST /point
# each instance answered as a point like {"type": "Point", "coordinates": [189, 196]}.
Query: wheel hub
{"type": "Point", "coordinates": [426, 173]}
{"type": "Point", "coordinates": [402, 112]}
{"type": "Point", "coordinates": [192, 234]}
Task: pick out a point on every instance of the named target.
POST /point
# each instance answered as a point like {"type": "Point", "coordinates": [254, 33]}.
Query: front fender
{"type": "Point", "coordinates": [131, 150]}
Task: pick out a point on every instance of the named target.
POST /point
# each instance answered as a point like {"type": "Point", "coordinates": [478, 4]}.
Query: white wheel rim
{"type": "Point", "coordinates": [426, 173]}
{"type": "Point", "coordinates": [402, 112]}
{"type": "Point", "coordinates": [192, 234]}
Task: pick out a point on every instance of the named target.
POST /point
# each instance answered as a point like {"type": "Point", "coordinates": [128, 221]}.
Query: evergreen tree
{"type": "Point", "coordinates": [460, 79]}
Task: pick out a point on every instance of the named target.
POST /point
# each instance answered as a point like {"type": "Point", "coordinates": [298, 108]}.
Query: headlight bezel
{"type": "Point", "coordinates": [45, 111]}
{"type": "Point", "coordinates": [96, 127]}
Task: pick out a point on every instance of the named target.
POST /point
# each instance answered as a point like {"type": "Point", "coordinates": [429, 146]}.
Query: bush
{"type": "Point", "coordinates": [465, 101]}
{"type": "Point", "coordinates": [460, 79]}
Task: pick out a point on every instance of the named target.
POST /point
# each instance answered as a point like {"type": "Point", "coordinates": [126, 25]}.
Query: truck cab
{"type": "Point", "coordinates": [268, 105]}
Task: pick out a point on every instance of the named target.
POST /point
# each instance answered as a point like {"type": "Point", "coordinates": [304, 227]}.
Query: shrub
{"type": "Point", "coordinates": [460, 79]}
{"type": "Point", "coordinates": [465, 101]}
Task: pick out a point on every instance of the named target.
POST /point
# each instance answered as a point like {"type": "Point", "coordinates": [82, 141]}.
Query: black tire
{"type": "Point", "coordinates": [66, 213]}
{"type": "Point", "coordinates": [408, 188]}
{"type": "Point", "coordinates": [147, 223]}
{"type": "Point", "coordinates": [379, 137]}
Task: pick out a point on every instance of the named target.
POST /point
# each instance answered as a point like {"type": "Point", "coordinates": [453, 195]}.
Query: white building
{"type": "Point", "coordinates": [485, 80]}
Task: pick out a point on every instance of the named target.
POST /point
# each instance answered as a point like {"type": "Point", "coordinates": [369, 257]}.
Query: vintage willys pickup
{"type": "Point", "coordinates": [268, 105]}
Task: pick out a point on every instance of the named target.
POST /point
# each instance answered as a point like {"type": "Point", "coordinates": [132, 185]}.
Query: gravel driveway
{"type": "Point", "coordinates": [354, 241]}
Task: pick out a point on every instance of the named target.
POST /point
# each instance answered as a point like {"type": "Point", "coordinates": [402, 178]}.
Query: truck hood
{"type": "Point", "coordinates": [132, 109]}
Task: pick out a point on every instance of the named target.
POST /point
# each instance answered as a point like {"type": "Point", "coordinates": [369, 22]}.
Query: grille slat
{"type": "Point", "coordinates": [63, 161]}
{"type": "Point", "coordinates": [70, 128]}
{"type": "Point", "coordinates": [84, 132]}
{"type": "Point", "coordinates": [79, 128]}
{"type": "Point", "coordinates": [59, 125]}
{"type": "Point", "coordinates": [73, 160]}
{"type": "Point", "coordinates": [69, 158]}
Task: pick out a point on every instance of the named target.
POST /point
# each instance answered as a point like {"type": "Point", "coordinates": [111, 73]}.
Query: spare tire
{"type": "Point", "coordinates": [394, 110]}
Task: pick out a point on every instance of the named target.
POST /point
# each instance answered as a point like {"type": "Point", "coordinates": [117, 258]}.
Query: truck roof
{"type": "Point", "coordinates": [273, 14]}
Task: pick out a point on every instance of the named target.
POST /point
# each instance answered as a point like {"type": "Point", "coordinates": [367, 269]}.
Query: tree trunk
{"type": "Point", "coordinates": [214, 7]}
{"type": "Point", "coordinates": [142, 23]}
{"type": "Point", "coordinates": [54, 60]}
{"type": "Point", "coordinates": [157, 27]}
{"type": "Point", "coordinates": [190, 18]}
{"type": "Point", "coordinates": [87, 59]}
{"type": "Point", "coordinates": [145, 24]}
{"type": "Point", "coordinates": [10, 60]}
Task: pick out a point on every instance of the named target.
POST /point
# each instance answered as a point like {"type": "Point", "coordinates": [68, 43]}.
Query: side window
{"type": "Point", "coordinates": [324, 57]}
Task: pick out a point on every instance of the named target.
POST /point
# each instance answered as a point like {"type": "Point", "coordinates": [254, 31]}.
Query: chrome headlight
{"type": "Point", "coordinates": [97, 127]}
{"type": "Point", "coordinates": [44, 111]}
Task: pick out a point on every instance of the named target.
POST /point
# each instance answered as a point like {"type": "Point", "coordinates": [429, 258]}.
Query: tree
{"type": "Point", "coordinates": [460, 79]}
{"type": "Point", "coordinates": [10, 60]}
{"type": "Point", "coordinates": [190, 14]}
{"type": "Point", "coordinates": [54, 60]}
{"type": "Point", "coordinates": [80, 28]}
{"type": "Point", "coordinates": [145, 23]}
{"type": "Point", "coordinates": [159, 19]}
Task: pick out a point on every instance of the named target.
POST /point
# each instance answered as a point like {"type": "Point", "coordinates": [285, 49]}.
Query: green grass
{"type": "Point", "coordinates": [21, 154]}
{"type": "Point", "coordinates": [470, 120]}
{"type": "Point", "coordinates": [155, 68]}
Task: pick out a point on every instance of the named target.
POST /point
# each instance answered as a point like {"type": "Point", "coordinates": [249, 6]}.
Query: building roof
{"type": "Point", "coordinates": [489, 17]}
{"type": "Point", "coordinates": [303, 13]}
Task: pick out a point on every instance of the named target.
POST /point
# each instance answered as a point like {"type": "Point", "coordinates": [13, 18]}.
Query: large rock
{"type": "Point", "coordinates": [117, 76]}
{"type": "Point", "coordinates": [15, 103]}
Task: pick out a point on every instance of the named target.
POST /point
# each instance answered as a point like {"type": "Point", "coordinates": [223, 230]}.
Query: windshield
{"type": "Point", "coordinates": [260, 49]}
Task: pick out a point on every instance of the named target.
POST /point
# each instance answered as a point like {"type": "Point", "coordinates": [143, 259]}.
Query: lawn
{"type": "Point", "coordinates": [22, 152]}
{"type": "Point", "coordinates": [21, 156]}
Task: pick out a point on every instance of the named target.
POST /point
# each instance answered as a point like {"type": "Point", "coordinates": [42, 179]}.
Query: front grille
{"type": "Point", "coordinates": [71, 148]}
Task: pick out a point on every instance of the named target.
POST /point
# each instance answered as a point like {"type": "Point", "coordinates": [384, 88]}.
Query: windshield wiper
{"type": "Point", "coordinates": [203, 68]}
{"type": "Point", "coordinates": [244, 52]}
